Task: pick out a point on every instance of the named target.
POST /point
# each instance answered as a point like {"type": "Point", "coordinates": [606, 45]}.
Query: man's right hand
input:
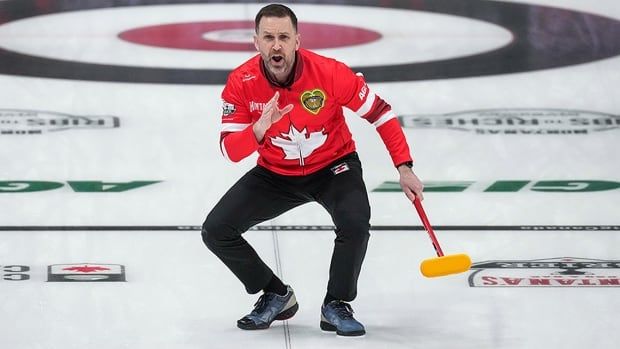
{"type": "Point", "coordinates": [271, 114]}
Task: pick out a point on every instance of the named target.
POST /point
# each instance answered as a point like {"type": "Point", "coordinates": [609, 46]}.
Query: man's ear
{"type": "Point", "coordinates": [256, 42]}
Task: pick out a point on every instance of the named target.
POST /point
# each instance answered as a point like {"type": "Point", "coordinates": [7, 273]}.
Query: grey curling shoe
{"type": "Point", "coordinates": [268, 308]}
{"type": "Point", "coordinates": [338, 316]}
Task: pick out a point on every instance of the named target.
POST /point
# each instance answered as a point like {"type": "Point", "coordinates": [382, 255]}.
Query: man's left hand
{"type": "Point", "coordinates": [410, 183]}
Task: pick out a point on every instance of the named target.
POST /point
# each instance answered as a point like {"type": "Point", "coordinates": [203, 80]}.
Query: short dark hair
{"type": "Point", "coordinates": [275, 10]}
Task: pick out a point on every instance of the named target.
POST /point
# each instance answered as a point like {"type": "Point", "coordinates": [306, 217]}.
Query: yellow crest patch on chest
{"type": "Point", "coordinates": [313, 100]}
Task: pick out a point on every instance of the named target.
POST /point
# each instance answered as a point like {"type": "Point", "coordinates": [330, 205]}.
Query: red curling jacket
{"type": "Point", "coordinates": [314, 133]}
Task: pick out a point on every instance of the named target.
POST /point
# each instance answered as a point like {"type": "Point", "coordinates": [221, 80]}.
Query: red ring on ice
{"type": "Point", "coordinates": [191, 36]}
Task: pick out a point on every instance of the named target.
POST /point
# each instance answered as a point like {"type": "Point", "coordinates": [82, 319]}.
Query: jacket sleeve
{"type": "Point", "coordinates": [354, 93]}
{"type": "Point", "coordinates": [237, 140]}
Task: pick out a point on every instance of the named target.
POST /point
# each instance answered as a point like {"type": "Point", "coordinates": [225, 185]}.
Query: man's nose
{"type": "Point", "coordinates": [276, 45]}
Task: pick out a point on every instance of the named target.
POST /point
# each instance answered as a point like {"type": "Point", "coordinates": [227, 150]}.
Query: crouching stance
{"type": "Point", "coordinates": [287, 104]}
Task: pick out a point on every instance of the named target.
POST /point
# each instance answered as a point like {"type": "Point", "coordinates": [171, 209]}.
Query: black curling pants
{"type": "Point", "coordinates": [262, 195]}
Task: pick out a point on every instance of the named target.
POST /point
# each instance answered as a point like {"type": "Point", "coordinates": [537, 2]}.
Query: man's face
{"type": "Point", "coordinates": [277, 42]}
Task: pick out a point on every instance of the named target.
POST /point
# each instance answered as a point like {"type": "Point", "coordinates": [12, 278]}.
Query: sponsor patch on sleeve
{"type": "Point", "coordinates": [227, 108]}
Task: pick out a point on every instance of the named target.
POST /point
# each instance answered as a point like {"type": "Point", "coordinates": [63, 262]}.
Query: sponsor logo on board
{"type": "Point", "coordinates": [550, 272]}
{"type": "Point", "coordinates": [516, 121]}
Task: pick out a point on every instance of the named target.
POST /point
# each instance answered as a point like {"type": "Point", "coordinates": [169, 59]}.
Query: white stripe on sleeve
{"type": "Point", "coordinates": [231, 127]}
{"type": "Point", "coordinates": [365, 108]}
{"type": "Point", "coordinates": [387, 116]}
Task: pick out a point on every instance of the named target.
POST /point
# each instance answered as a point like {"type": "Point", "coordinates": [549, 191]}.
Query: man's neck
{"type": "Point", "coordinates": [281, 78]}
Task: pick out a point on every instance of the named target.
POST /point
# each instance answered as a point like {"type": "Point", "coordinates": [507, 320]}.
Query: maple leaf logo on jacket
{"type": "Point", "coordinates": [299, 144]}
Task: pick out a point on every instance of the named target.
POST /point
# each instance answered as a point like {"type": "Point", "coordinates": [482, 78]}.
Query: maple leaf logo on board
{"type": "Point", "coordinates": [86, 269]}
{"type": "Point", "coordinates": [86, 272]}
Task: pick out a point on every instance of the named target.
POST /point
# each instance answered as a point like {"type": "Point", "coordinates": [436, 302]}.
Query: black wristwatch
{"type": "Point", "coordinates": [408, 164]}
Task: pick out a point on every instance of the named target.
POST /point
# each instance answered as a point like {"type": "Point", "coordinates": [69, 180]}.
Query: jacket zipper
{"type": "Point", "coordinates": [301, 158]}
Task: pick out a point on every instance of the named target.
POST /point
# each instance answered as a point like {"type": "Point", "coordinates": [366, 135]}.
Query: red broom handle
{"type": "Point", "coordinates": [427, 226]}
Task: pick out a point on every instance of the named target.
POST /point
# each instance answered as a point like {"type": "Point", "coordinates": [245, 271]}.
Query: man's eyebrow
{"type": "Point", "coordinates": [266, 32]}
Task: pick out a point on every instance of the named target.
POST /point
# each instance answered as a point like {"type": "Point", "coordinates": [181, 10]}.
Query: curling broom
{"type": "Point", "coordinates": [441, 265]}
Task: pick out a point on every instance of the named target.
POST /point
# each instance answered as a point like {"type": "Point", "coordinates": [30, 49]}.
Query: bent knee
{"type": "Point", "coordinates": [211, 233]}
{"type": "Point", "coordinates": [354, 230]}
{"type": "Point", "coordinates": [216, 233]}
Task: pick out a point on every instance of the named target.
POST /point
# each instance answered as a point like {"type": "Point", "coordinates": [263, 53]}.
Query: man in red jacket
{"type": "Point", "coordinates": [286, 103]}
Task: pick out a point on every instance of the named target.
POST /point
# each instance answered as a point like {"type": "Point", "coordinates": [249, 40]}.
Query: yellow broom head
{"type": "Point", "coordinates": [445, 265]}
